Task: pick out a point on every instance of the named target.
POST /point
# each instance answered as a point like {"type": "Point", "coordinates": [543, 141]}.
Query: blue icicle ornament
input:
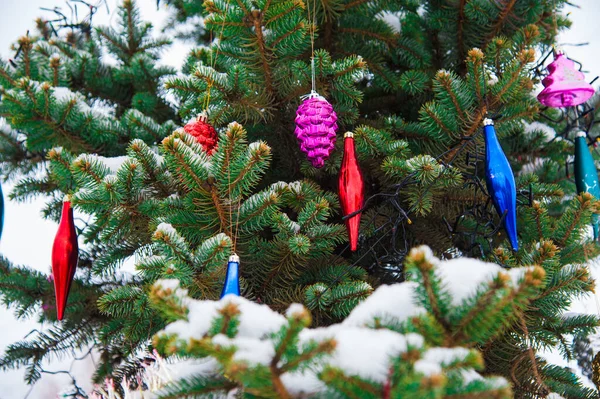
{"type": "Point", "coordinates": [500, 182]}
{"type": "Point", "coordinates": [1, 211]}
{"type": "Point", "coordinates": [232, 278]}
{"type": "Point", "coordinates": [586, 175]}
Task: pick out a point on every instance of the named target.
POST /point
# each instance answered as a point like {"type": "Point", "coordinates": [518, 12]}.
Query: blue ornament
{"type": "Point", "coordinates": [232, 279]}
{"type": "Point", "coordinates": [1, 211]}
{"type": "Point", "coordinates": [586, 175]}
{"type": "Point", "coordinates": [500, 182]}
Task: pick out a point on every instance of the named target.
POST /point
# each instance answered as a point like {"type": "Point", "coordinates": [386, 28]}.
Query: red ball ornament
{"type": "Point", "coordinates": [351, 189]}
{"type": "Point", "coordinates": [205, 134]}
{"type": "Point", "coordinates": [65, 253]}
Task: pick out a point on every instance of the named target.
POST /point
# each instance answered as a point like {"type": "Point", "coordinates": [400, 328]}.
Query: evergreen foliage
{"type": "Point", "coordinates": [95, 114]}
{"type": "Point", "coordinates": [281, 357]}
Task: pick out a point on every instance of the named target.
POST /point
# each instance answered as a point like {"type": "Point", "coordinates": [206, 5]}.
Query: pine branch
{"type": "Point", "coordinates": [460, 45]}
{"type": "Point", "coordinates": [256, 20]}
{"type": "Point", "coordinates": [505, 11]}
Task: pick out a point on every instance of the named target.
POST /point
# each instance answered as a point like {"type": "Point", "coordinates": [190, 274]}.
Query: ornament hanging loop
{"type": "Point", "coordinates": [313, 75]}
{"type": "Point", "coordinates": [202, 116]}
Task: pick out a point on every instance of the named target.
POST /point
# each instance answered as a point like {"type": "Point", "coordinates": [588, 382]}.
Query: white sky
{"type": "Point", "coordinates": [27, 237]}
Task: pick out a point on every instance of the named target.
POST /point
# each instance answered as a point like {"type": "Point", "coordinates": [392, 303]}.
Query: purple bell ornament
{"type": "Point", "coordinates": [564, 86]}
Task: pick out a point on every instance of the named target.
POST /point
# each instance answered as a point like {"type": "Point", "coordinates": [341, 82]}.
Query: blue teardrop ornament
{"type": "Point", "coordinates": [1, 211]}
{"type": "Point", "coordinates": [586, 175]}
{"type": "Point", "coordinates": [232, 279]}
{"type": "Point", "coordinates": [500, 182]}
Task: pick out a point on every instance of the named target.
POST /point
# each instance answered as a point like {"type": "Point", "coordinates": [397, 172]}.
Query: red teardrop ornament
{"type": "Point", "coordinates": [65, 254]}
{"type": "Point", "coordinates": [203, 132]}
{"type": "Point", "coordinates": [351, 189]}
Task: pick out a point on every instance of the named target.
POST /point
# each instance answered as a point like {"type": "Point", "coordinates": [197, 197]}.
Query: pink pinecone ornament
{"type": "Point", "coordinates": [315, 129]}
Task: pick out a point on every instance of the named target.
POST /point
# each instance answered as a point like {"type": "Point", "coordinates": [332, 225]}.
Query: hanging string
{"type": "Point", "coordinates": [213, 62]}
{"type": "Point", "coordinates": [213, 59]}
{"type": "Point", "coordinates": [312, 19]}
{"type": "Point", "coordinates": [237, 223]}
{"type": "Point", "coordinates": [554, 22]}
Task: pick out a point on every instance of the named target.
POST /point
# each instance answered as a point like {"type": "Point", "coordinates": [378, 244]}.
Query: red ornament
{"type": "Point", "coordinates": [351, 189]}
{"type": "Point", "coordinates": [64, 257]}
{"type": "Point", "coordinates": [205, 134]}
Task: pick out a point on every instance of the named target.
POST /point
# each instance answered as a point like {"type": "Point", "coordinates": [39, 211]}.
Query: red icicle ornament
{"type": "Point", "coordinates": [351, 189]}
{"type": "Point", "coordinates": [65, 254]}
{"type": "Point", "coordinates": [203, 132]}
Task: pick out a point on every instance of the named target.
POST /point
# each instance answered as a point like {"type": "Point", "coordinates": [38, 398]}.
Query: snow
{"type": "Point", "coordinates": [167, 284]}
{"type": "Point", "coordinates": [253, 147]}
{"type": "Point", "coordinates": [363, 351]}
{"type": "Point", "coordinates": [248, 350]}
{"type": "Point", "coordinates": [388, 302]}
{"type": "Point", "coordinates": [533, 127]}
{"type": "Point", "coordinates": [166, 228]}
{"type": "Point", "coordinates": [302, 382]}
{"type": "Point", "coordinates": [392, 20]}
{"type": "Point", "coordinates": [98, 110]}
{"type": "Point", "coordinates": [456, 272]}
{"type": "Point", "coordinates": [155, 377]}
{"type": "Point", "coordinates": [64, 93]}
{"type": "Point", "coordinates": [359, 350]}
{"type": "Point", "coordinates": [532, 167]}
{"type": "Point", "coordinates": [113, 163]}
{"type": "Point", "coordinates": [26, 225]}
{"type": "Point", "coordinates": [589, 304]}
{"type": "Point", "coordinates": [295, 309]}
{"type": "Point", "coordinates": [432, 361]}
{"type": "Point", "coordinates": [255, 320]}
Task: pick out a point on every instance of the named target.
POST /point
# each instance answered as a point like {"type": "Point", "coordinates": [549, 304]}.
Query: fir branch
{"type": "Point", "coordinates": [505, 11]}
{"type": "Point", "coordinates": [439, 123]}
{"type": "Point", "coordinates": [529, 353]}
{"type": "Point", "coordinates": [256, 19]}
{"type": "Point", "coordinates": [389, 41]}
{"type": "Point", "coordinates": [297, 28]}
{"type": "Point", "coordinates": [354, 3]}
{"type": "Point", "coordinates": [460, 45]}
{"type": "Point", "coordinates": [482, 303]}
{"type": "Point", "coordinates": [224, 225]}
{"type": "Point", "coordinates": [471, 130]}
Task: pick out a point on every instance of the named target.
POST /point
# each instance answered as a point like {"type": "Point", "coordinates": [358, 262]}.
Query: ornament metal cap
{"type": "Point", "coordinates": [581, 133]}
{"type": "Point", "coordinates": [557, 49]}
{"type": "Point", "coordinates": [312, 94]}
{"type": "Point", "coordinates": [234, 258]}
{"type": "Point", "coordinates": [67, 198]}
{"type": "Point", "coordinates": [348, 134]}
{"type": "Point", "coordinates": [488, 122]}
{"type": "Point", "coordinates": [202, 116]}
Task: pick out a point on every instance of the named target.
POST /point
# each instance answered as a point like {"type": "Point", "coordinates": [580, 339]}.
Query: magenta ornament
{"type": "Point", "coordinates": [564, 86]}
{"type": "Point", "coordinates": [315, 129]}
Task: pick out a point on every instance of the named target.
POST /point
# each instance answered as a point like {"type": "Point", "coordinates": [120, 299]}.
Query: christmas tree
{"type": "Point", "coordinates": [181, 169]}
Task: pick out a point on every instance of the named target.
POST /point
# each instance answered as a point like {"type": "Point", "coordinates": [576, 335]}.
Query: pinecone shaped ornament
{"type": "Point", "coordinates": [316, 127]}
{"type": "Point", "coordinates": [203, 132]}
